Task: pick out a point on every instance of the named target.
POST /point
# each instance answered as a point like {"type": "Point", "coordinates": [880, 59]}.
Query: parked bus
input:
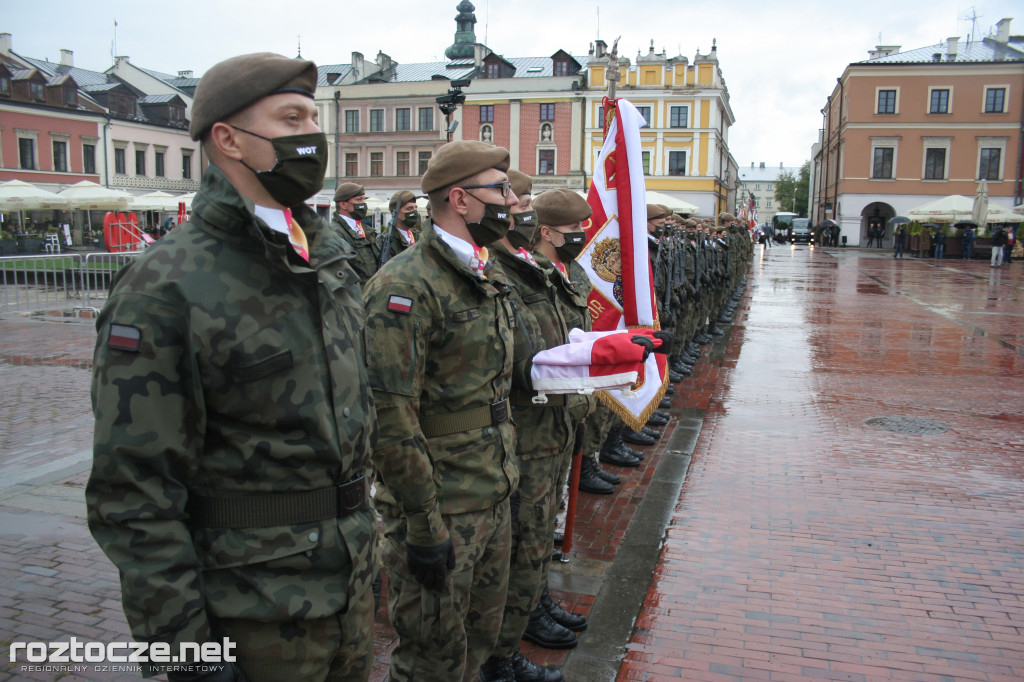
{"type": "Point", "coordinates": [782, 226]}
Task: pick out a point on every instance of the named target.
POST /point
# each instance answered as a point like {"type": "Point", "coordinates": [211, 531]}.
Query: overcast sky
{"type": "Point", "coordinates": [780, 58]}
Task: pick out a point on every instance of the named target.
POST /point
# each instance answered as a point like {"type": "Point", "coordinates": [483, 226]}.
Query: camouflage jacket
{"type": "Point", "coordinates": [439, 343]}
{"type": "Point", "coordinates": [541, 430]}
{"type": "Point", "coordinates": [397, 246]}
{"type": "Point", "coordinates": [227, 366]}
{"type": "Point", "coordinates": [366, 249]}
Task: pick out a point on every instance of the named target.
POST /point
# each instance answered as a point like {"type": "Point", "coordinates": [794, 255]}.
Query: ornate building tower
{"type": "Point", "coordinates": [465, 36]}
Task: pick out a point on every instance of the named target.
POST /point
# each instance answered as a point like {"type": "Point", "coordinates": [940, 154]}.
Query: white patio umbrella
{"type": "Point", "coordinates": [1019, 208]}
{"type": "Point", "coordinates": [16, 195]}
{"type": "Point", "coordinates": [671, 202]}
{"type": "Point", "coordinates": [979, 211]}
{"type": "Point", "coordinates": [156, 201]}
{"type": "Point", "coordinates": [92, 197]}
{"type": "Point", "coordinates": [945, 209]}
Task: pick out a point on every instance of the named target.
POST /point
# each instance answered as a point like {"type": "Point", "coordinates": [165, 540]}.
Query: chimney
{"type": "Point", "coordinates": [1003, 30]}
{"type": "Point", "coordinates": [762, 165]}
{"type": "Point", "coordinates": [751, 165]}
{"type": "Point", "coordinates": [6, 43]}
{"type": "Point", "coordinates": [951, 44]}
{"type": "Point", "coordinates": [67, 58]}
{"type": "Point", "coordinates": [358, 64]}
{"type": "Point", "coordinates": [120, 62]}
{"type": "Point", "coordinates": [187, 73]}
{"type": "Point", "coordinates": [780, 165]}
{"type": "Point", "coordinates": [599, 49]}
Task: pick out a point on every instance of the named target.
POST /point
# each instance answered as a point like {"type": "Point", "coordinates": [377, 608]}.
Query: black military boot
{"type": "Point", "coordinates": [670, 389]}
{"type": "Point", "coordinates": [637, 438]}
{"type": "Point", "coordinates": [616, 457]}
{"type": "Point", "coordinates": [497, 670]}
{"type": "Point", "coordinates": [657, 419]}
{"type": "Point", "coordinates": [543, 631]}
{"type": "Point", "coordinates": [716, 331]}
{"type": "Point", "coordinates": [653, 433]}
{"type": "Point", "coordinates": [607, 476]}
{"type": "Point", "coordinates": [525, 670]}
{"type": "Point", "coordinates": [666, 403]}
{"type": "Point", "coordinates": [566, 619]}
{"type": "Point", "coordinates": [591, 482]}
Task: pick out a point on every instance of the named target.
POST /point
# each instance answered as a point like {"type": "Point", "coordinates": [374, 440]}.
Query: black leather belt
{"type": "Point", "coordinates": [278, 509]}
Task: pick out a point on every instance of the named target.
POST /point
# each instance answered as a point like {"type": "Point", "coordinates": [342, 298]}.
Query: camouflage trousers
{"type": "Point", "coordinates": [532, 540]}
{"type": "Point", "coordinates": [599, 425]}
{"type": "Point", "coordinates": [335, 649]}
{"type": "Point", "coordinates": [446, 636]}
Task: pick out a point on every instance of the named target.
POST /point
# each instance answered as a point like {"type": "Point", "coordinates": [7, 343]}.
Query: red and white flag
{"type": "Point", "coordinates": [616, 256]}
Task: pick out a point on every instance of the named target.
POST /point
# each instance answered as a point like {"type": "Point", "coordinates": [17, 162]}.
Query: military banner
{"type": "Point", "coordinates": [616, 257]}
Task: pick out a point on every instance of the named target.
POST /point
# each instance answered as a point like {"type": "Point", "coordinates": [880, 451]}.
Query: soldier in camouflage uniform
{"type": "Point", "coordinates": [406, 224]}
{"type": "Point", "coordinates": [234, 422]}
{"type": "Point", "coordinates": [440, 346]}
{"type": "Point", "coordinates": [350, 205]}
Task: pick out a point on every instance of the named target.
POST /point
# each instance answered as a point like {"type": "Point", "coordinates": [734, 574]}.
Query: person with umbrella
{"type": "Point", "coordinates": [899, 240]}
{"type": "Point", "coordinates": [998, 244]}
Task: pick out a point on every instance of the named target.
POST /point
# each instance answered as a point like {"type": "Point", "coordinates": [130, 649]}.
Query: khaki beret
{"type": "Point", "coordinates": [347, 190]}
{"type": "Point", "coordinates": [234, 84]}
{"type": "Point", "coordinates": [462, 159]}
{"type": "Point", "coordinates": [400, 199]}
{"type": "Point", "coordinates": [726, 217]}
{"type": "Point", "coordinates": [521, 182]}
{"type": "Point", "coordinates": [655, 211]}
{"type": "Point", "coordinates": [561, 206]}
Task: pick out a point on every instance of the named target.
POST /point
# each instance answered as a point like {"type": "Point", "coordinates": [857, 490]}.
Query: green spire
{"type": "Point", "coordinates": [465, 36]}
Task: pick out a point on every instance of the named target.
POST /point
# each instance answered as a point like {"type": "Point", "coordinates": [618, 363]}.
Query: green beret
{"type": "Point", "coordinates": [726, 217]}
{"type": "Point", "coordinates": [655, 211]}
{"type": "Point", "coordinates": [521, 182]}
{"type": "Point", "coordinates": [462, 159]}
{"type": "Point", "coordinates": [234, 84]}
{"type": "Point", "coordinates": [400, 199]}
{"type": "Point", "coordinates": [347, 190]}
{"type": "Point", "coordinates": [561, 206]}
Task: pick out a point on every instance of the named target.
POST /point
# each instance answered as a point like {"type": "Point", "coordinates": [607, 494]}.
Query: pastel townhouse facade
{"type": "Point", "coordinates": [759, 182]}
{"type": "Point", "coordinates": [903, 128]}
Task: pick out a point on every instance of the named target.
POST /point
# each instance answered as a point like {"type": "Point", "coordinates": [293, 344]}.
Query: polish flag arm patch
{"type": "Point", "coordinates": [399, 304]}
{"type": "Point", "coordinates": [124, 337]}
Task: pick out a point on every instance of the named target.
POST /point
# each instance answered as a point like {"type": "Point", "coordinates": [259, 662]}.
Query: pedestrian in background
{"type": "Point", "coordinates": [967, 243]}
{"type": "Point", "coordinates": [998, 244]}
{"type": "Point", "coordinates": [234, 422]}
{"type": "Point", "coordinates": [899, 241]}
{"type": "Point", "coordinates": [939, 238]}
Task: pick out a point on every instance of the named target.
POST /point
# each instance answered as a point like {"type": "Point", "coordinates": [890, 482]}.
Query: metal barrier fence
{"type": "Point", "coordinates": [57, 282]}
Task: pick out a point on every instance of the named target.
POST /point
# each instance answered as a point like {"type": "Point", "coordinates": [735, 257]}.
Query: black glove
{"type": "Point", "coordinates": [430, 565]}
{"type": "Point", "coordinates": [646, 343]}
{"type": "Point", "coordinates": [668, 341]}
{"type": "Point", "coordinates": [208, 672]}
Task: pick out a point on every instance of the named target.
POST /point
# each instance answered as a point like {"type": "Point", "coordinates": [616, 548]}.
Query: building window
{"type": "Point", "coordinates": [994, 100]}
{"type": "Point", "coordinates": [376, 164]}
{"type": "Point", "coordinates": [120, 164]}
{"type": "Point", "coordinates": [677, 163]}
{"type": "Point", "coordinates": [988, 169]}
{"type": "Point", "coordinates": [935, 164]}
{"type": "Point", "coordinates": [886, 102]}
{"type": "Point", "coordinates": [547, 112]}
{"type": "Point", "coordinates": [646, 113]}
{"type": "Point", "coordinates": [176, 115]}
{"type": "Point", "coordinates": [546, 162]}
{"type": "Point", "coordinates": [70, 96]}
{"type": "Point", "coordinates": [939, 101]}
{"type": "Point", "coordinates": [680, 117]}
{"type": "Point", "coordinates": [5, 86]}
{"type": "Point", "coordinates": [140, 161]}
{"type": "Point", "coordinates": [186, 166]}
{"type": "Point", "coordinates": [600, 117]}
{"type": "Point", "coordinates": [88, 158]}
{"type": "Point", "coordinates": [60, 156]}
{"type": "Point", "coordinates": [757, 186]}
{"type": "Point", "coordinates": [493, 70]}
{"type": "Point", "coordinates": [426, 118]}
{"type": "Point", "coordinates": [38, 91]}
{"type": "Point", "coordinates": [402, 163]}
{"type": "Point", "coordinates": [881, 164]}
{"type": "Point", "coordinates": [647, 162]}
{"type": "Point", "coordinates": [403, 119]}
{"type": "Point", "coordinates": [560, 67]}
{"type": "Point", "coordinates": [376, 120]}
{"type": "Point", "coordinates": [27, 153]}
{"type": "Point", "coordinates": [424, 160]}
{"type": "Point", "coordinates": [767, 203]}
{"type": "Point", "coordinates": [487, 113]}
{"type": "Point", "coordinates": [159, 165]}
{"type": "Point", "coordinates": [352, 121]}
{"type": "Point", "coordinates": [351, 165]}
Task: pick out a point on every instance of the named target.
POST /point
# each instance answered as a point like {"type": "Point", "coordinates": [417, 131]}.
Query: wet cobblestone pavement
{"type": "Point", "coordinates": [772, 533]}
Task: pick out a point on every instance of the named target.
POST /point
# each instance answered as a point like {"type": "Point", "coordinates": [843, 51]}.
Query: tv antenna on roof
{"type": "Point", "coordinates": [973, 18]}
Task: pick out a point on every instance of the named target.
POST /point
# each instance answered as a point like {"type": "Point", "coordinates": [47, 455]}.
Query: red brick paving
{"type": "Point", "coordinates": [808, 545]}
